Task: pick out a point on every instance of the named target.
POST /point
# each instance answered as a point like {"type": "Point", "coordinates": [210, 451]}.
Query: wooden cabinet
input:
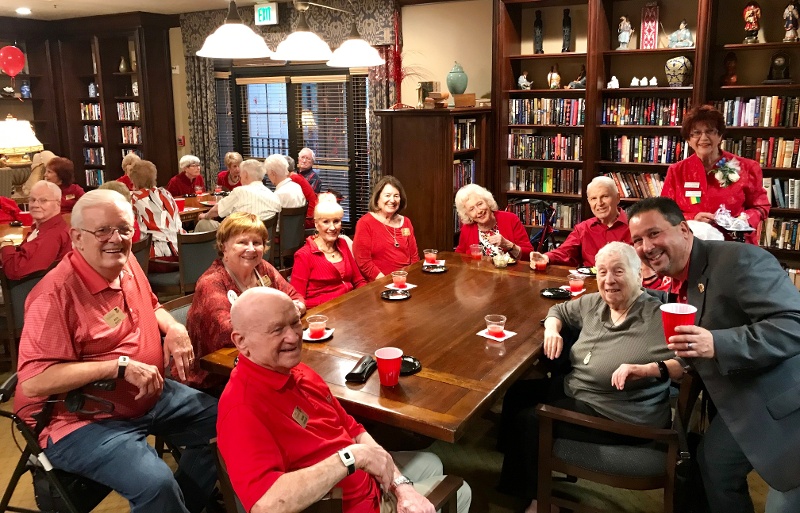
{"type": "Point", "coordinates": [433, 153]}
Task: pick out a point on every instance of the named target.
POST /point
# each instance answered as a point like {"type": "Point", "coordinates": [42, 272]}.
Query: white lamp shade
{"type": "Point", "coordinates": [355, 53]}
{"type": "Point", "coordinates": [17, 137]}
{"type": "Point", "coordinates": [303, 45]}
{"type": "Point", "coordinates": [234, 41]}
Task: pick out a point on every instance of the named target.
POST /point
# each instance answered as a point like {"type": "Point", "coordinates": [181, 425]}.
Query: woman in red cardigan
{"type": "Point", "coordinates": [61, 172]}
{"type": "Point", "coordinates": [481, 223]}
{"type": "Point", "coordinates": [325, 268]}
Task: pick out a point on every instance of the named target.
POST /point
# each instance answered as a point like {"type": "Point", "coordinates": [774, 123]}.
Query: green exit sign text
{"type": "Point", "coordinates": [266, 14]}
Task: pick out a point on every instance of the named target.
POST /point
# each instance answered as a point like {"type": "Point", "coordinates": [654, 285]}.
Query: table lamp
{"type": "Point", "coordinates": [17, 140]}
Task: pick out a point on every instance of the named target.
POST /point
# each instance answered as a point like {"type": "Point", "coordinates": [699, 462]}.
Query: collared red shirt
{"type": "Point", "coordinates": [66, 321]}
{"type": "Point", "coordinates": [51, 243]}
{"type": "Point", "coordinates": [581, 246]}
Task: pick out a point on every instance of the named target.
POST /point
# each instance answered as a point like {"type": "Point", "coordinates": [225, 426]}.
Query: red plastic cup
{"type": "Point", "coordinates": [25, 218]}
{"type": "Point", "coordinates": [181, 202]}
{"type": "Point", "coordinates": [674, 315]}
{"type": "Point", "coordinates": [430, 256]}
{"type": "Point", "coordinates": [389, 360]}
{"type": "Point", "coordinates": [399, 279]}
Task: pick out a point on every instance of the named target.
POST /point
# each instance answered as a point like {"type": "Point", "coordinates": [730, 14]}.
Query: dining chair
{"type": "Point", "coordinates": [271, 225]}
{"type": "Point", "coordinates": [652, 465]}
{"type": "Point", "coordinates": [141, 251]}
{"type": "Point", "coordinates": [179, 308]}
{"type": "Point", "coordinates": [291, 233]}
{"type": "Point", "coordinates": [196, 253]}
{"type": "Point", "coordinates": [12, 311]}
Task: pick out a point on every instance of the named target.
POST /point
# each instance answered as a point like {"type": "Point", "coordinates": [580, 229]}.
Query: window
{"type": "Point", "coordinates": [267, 128]}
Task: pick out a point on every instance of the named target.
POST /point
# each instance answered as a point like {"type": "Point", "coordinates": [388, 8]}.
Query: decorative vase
{"type": "Point", "coordinates": [679, 71]}
{"type": "Point", "coordinates": [123, 65]}
{"type": "Point", "coordinates": [457, 80]}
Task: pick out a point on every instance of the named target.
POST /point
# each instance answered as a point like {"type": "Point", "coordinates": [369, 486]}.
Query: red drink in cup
{"type": "Point", "coordinates": [389, 361]}
{"type": "Point", "coordinates": [316, 326]}
{"type": "Point", "coordinates": [541, 265]}
{"type": "Point", "coordinates": [674, 315]}
{"type": "Point", "coordinates": [496, 331]}
{"type": "Point", "coordinates": [399, 279]}
{"type": "Point", "coordinates": [475, 251]}
{"type": "Point", "coordinates": [430, 256]}
{"type": "Point", "coordinates": [218, 190]}
{"type": "Point", "coordinates": [575, 282]}
{"type": "Point", "coordinates": [198, 190]}
{"type": "Point", "coordinates": [495, 325]}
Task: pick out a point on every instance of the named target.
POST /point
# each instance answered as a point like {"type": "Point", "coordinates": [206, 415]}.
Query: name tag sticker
{"type": "Point", "coordinates": [232, 296]}
{"type": "Point", "coordinates": [265, 281]}
{"type": "Point", "coordinates": [114, 318]}
{"type": "Point", "coordinates": [693, 194]}
{"type": "Point", "coordinates": [70, 197]}
{"type": "Point", "coordinates": [406, 232]}
{"type": "Point", "coordinates": [300, 417]}
{"type": "Point", "coordinates": [691, 185]}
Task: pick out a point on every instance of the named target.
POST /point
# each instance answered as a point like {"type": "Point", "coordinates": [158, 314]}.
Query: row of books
{"type": "Point", "coordinates": [90, 112]}
{"type": "Point", "coordinates": [128, 111]}
{"type": "Point", "coordinates": [782, 192]}
{"type": "Point", "coordinates": [767, 151]}
{"type": "Point", "coordinates": [764, 111]}
{"type": "Point", "coordinates": [546, 111]}
{"type": "Point", "coordinates": [644, 111]}
{"type": "Point", "coordinates": [779, 233]}
{"type": "Point", "coordinates": [465, 134]}
{"type": "Point", "coordinates": [545, 179]}
{"type": "Point", "coordinates": [534, 212]}
{"type": "Point", "coordinates": [95, 177]}
{"type": "Point", "coordinates": [92, 134]}
{"type": "Point", "coordinates": [131, 134]}
{"type": "Point", "coordinates": [659, 149]}
{"type": "Point", "coordinates": [463, 173]}
{"type": "Point", "coordinates": [522, 144]}
{"type": "Point", "coordinates": [637, 185]}
{"type": "Point", "coordinates": [94, 156]}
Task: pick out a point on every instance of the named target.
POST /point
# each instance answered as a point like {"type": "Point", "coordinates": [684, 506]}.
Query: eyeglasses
{"type": "Point", "coordinates": [37, 201]}
{"type": "Point", "coordinates": [105, 233]}
{"type": "Point", "coordinates": [697, 134]}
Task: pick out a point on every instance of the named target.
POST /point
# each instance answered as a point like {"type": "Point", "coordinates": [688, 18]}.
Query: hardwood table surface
{"type": "Point", "coordinates": [462, 373]}
{"type": "Point", "coordinates": [193, 208]}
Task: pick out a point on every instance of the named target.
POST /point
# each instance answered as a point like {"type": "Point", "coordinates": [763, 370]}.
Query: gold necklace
{"type": "Point", "coordinates": [613, 324]}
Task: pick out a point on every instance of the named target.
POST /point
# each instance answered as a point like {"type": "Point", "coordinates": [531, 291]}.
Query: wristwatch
{"type": "Point", "coordinates": [348, 459]}
{"type": "Point", "coordinates": [663, 370]}
{"type": "Point", "coordinates": [400, 480]}
{"type": "Point", "coordinates": [122, 364]}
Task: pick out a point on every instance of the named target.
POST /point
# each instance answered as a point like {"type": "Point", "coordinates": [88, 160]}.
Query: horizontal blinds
{"type": "Point", "coordinates": [263, 109]}
{"type": "Point", "coordinates": [260, 80]}
{"type": "Point", "coordinates": [319, 79]}
{"type": "Point", "coordinates": [225, 142]}
{"type": "Point", "coordinates": [360, 165]}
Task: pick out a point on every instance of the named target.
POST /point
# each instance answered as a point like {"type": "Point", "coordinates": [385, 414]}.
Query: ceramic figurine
{"type": "Point", "coordinates": [790, 22]}
{"type": "Point", "coordinates": [538, 33]}
{"type": "Point", "coordinates": [123, 65]}
{"type": "Point", "coordinates": [580, 81]}
{"type": "Point", "coordinates": [553, 78]}
{"type": "Point", "coordinates": [643, 82]}
{"type": "Point", "coordinates": [730, 69]}
{"type": "Point", "coordinates": [634, 82]}
{"type": "Point", "coordinates": [681, 38]}
{"type": "Point", "coordinates": [566, 27]}
{"type": "Point", "coordinates": [625, 30]}
{"type": "Point", "coordinates": [25, 89]}
{"type": "Point", "coordinates": [92, 90]}
{"type": "Point", "coordinates": [613, 84]}
{"type": "Point", "coordinates": [135, 88]}
{"type": "Point", "coordinates": [523, 82]}
{"type": "Point", "coordinates": [653, 82]}
{"type": "Point", "coordinates": [752, 22]}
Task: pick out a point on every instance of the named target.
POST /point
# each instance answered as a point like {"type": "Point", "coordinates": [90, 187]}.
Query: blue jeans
{"type": "Point", "coordinates": [116, 453]}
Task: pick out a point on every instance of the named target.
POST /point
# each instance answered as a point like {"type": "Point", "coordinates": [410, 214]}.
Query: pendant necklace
{"type": "Point", "coordinates": [614, 324]}
{"type": "Point", "coordinates": [393, 233]}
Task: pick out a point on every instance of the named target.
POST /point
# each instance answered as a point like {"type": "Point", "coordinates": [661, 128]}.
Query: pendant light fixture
{"type": "Point", "coordinates": [355, 53]}
{"type": "Point", "coordinates": [302, 44]}
{"type": "Point", "coordinates": [234, 40]}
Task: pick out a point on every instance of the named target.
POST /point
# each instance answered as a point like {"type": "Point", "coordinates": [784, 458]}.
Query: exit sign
{"type": "Point", "coordinates": [266, 14]}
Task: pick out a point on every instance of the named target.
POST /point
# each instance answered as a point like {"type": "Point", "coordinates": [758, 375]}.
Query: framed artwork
{"type": "Point", "coordinates": [648, 37]}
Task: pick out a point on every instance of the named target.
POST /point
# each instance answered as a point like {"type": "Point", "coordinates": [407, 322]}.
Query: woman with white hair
{"type": "Point", "coordinates": [189, 179]}
{"type": "Point", "coordinates": [127, 162]}
{"type": "Point", "coordinates": [621, 369]}
{"type": "Point", "coordinates": [482, 223]}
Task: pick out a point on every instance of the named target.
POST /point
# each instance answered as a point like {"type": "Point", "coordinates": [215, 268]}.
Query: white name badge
{"type": "Point", "coordinates": [693, 194]}
{"type": "Point", "coordinates": [691, 185]}
{"type": "Point", "coordinates": [232, 296]}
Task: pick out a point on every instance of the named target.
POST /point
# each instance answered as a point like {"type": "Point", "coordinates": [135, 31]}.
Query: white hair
{"type": "Point", "coordinates": [252, 169]}
{"type": "Point", "coordinates": [53, 189]}
{"type": "Point", "coordinates": [307, 150]}
{"type": "Point", "coordinates": [627, 255]}
{"type": "Point", "coordinates": [97, 198]}
{"type": "Point", "coordinates": [187, 160]}
{"type": "Point", "coordinates": [463, 195]}
{"type": "Point", "coordinates": [277, 164]}
{"type": "Point", "coordinates": [606, 182]}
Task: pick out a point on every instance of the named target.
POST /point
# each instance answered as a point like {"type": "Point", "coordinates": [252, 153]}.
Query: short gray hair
{"type": "Point", "coordinates": [97, 198]}
{"type": "Point", "coordinates": [308, 150]}
{"type": "Point", "coordinates": [278, 165]}
{"type": "Point", "coordinates": [628, 257]}
{"type": "Point", "coordinates": [253, 169]}
{"type": "Point", "coordinates": [187, 160]}
{"type": "Point", "coordinates": [463, 195]}
{"type": "Point", "coordinates": [53, 189]}
{"type": "Point", "coordinates": [605, 181]}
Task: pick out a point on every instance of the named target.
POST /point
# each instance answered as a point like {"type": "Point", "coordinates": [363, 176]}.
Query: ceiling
{"type": "Point", "coordinates": [61, 9]}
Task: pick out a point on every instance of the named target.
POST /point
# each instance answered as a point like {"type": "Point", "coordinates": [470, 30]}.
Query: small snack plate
{"type": "Point", "coordinates": [588, 271]}
{"type": "Point", "coordinates": [573, 294]}
{"type": "Point", "coordinates": [328, 334]}
{"type": "Point", "coordinates": [409, 365]}
{"type": "Point", "coordinates": [396, 295]}
{"type": "Point", "coordinates": [408, 286]}
{"type": "Point", "coordinates": [208, 203]}
{"type": "Point", "coordinates": [555, 293]}
{"type": "Point", "coordinates": [434, 268]}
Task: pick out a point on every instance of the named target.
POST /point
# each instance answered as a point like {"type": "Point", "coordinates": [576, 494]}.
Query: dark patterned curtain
{"type": "Point", "coordinates": [202, 114]}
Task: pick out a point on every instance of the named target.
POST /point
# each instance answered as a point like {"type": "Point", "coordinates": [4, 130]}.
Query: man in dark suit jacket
{"type": "Point", "coordinates": [745, 347]}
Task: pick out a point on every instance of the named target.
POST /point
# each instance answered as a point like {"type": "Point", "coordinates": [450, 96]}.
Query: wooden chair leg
{"type": "Point", "coordinates": [545, 478]}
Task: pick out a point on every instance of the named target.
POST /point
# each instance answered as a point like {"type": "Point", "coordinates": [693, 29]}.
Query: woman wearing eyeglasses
{"type": "Point", "coordinates": [713, 177]}
{"type": "Point", "coordinates": [189, 180]}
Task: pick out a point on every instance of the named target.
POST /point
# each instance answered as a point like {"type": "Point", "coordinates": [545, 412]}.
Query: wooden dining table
{"type": "Point", "coordinates": [462, 373]}
{"type": "Point", "coordinates": [17, 234]}
{"type": "Point", "coordinates": [196, 205]}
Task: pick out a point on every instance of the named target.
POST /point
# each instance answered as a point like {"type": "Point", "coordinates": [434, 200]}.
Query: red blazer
{"type": "Point", "coordinates": [509, 226]}
{"type": "Point", "coordinates": [180, 185]}
{"type": "Point", "coordinates": [318, 280]}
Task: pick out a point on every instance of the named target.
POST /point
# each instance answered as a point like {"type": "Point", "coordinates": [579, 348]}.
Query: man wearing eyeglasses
{"type": "Point", "coordinates": [95, 318]}
{"type": "Point", "coordinates": [49, 240]}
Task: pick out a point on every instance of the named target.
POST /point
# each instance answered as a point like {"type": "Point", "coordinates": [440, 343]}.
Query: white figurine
{"type": "Point", "coordinates": [643, 82]}
{"type": "Point", "coordinates": [614, 84]}
{"type": "Point", "coordinates": [653, 82]}
{"type": "Point", "coordinates": [523, 81]}
{"type": "Point", "coordinates": [634, 82]}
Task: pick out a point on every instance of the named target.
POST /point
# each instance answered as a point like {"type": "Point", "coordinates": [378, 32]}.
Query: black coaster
{"type": "Point", "coordinates": [409, 366]}
{"type": "Point", "coordinates": [395, 295]}
{"type": "Point", "coordinates": [555, 293]}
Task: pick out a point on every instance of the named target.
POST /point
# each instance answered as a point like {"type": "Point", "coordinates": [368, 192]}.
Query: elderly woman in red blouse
{"type": "Point", "coordinates": [384, 240]}
{"type": "Point", "coordinates": [713, 177]}
{"type": "Point", "coordinates": [127, 162]}
{"type": "Point", "coordinates": [229, 179]}
{"type": "Point", "coordinates": [241, 241]}
{"type": "Point", "coordinates": [189, 180]}
{"type": "Point", "coordinates": [61, 172]}
{"type": "Point", "coordinates": [482, 223]}
{"type": "Point", "coordinates": [324, 268]}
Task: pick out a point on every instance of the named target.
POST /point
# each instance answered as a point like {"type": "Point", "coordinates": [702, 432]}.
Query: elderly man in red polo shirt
{"type": "Point", "coordinates": [94, 318]}
{"type": "Point", "coordinates": [608, 224]}
{"type": "Point", "coordinates": [287, 441]}
{"type": "Point", "coordinates": [49, 240]}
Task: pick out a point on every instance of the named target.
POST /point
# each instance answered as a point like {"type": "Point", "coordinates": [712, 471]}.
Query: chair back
{"type": "Point", "coordinates": [141, 250]}
{"type": "Point", "coordinates": [196, 253]}
{"type": "Point", "coordinates": [179, 308]}
{"type": "Point", "coordinates": [292, 230]}
{"type": "Point", "coordinates": [271, 225]}
{"type": "Point", "coordinates": [15, 293]}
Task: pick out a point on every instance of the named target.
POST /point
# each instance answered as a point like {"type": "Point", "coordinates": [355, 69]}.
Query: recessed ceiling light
{"type": "Point", "coordinates": [24, 11]}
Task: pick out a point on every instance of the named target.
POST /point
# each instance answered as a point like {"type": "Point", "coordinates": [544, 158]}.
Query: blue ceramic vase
{"type": "Point", "coordinates": [457, 80]}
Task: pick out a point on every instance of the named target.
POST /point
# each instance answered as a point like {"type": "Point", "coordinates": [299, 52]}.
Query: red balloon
{"type": "Point", "coordinates": [12, 60]}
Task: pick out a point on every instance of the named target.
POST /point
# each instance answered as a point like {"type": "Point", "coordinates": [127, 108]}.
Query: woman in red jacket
{"type": "Point", "coordinates": [61, 172]}
{"type": "Point", "coordinates": [325, 268]}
